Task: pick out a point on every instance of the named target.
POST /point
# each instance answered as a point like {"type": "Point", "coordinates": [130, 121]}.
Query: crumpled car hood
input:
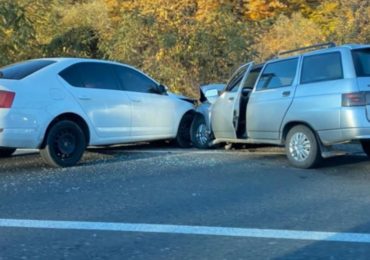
{"type": "Point", "coordinates": [185, 98]}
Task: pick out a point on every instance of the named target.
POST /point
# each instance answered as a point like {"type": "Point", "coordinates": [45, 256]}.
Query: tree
{"type": "Point", "coordinates": [289, 33]}
{"type": "Point", "coordinates": [344, 21]}
{"type": "Point", "coordinates": [77, 42]}
{"type": "Point", "coordinates": [176, 44]}
{"type": "Point", "coordinates": [16, 32]}
{"type": "Point", "coordinates": [181, 43]}
{"type": "Point", "coordinates": [262, 9]}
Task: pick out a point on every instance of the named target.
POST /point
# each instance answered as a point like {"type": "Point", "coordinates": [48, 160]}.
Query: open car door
{"type": "Point", "coordinates": [225, 111]}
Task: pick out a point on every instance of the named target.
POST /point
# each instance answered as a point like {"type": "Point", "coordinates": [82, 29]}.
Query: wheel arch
{"type": "Point", "coordinates": [191, 113]}
{"type": "Point", "coordinates": [205, 117]}
{"type": "Point", "coordinates": [204, 111]}
{"type": "Point", "coordinates": [71, 117]}
{"type": "Point", "coordinates": [292, 124]}
{"type": "Point", "coordinates": [183, 137]}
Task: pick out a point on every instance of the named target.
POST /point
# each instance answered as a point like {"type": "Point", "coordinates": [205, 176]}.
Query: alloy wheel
{"type": "Point", "coordinates": [202, 134]}
{"type": "Point", "coordinates": [299, 146]}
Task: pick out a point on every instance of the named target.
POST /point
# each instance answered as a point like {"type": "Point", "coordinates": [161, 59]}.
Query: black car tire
{"type": "Point", "coordinates": [6, 152]}
{"type": "Point", "coordinates": [65, 144]}
{"type": "Point", "coordinates": [302, 147]}
{"type": "Point", "coordinates": [201, 136]}
{"type": "Point", "coordinates": [366, 147]}
{"type": "Point", "coordinates": [183, 133]}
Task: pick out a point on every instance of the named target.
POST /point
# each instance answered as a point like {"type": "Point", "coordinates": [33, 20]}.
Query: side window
{"type": "Point", "coordinates": [73, 75]}
{"type": "Point", "coordinates": [23, 69]}
{"type": "Point", "coordinates": [132, 80]}
{"type": "Point", "coordinates": [278, 74]}
{"type": "Point", "coordinates": [91, 75]}
{"type": "Point", "coordinates": [361, 59]}
{"type": "Point", "coordinates": [322, 67]}
{"type": "Point", "coordinates": [232, 85]}
{"type": "Point", "coordinates": [252, 78]}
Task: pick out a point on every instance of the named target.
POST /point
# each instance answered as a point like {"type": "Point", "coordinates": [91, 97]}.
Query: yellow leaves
{"type": "Point", "coordinates": [289, 33]}
{"type": "Point", "coordinates": [262, 9]}
{"type": "Point", "coordinates": [258, 10]}
{"type": "Point", "coordinates": [207, 7]}
{"type": "Point", "coordinates": [324, 16]}
{"type": "Point", "coordinates": [166, 11]}
{"type": "Point", "coordinates": [343, 20]}
{"type": "Point", "coordinates": [160, 54]}
{"type": "Point", "coordinates": [93, 14]}
{"type": "Point", "coordinates": [85, 14]}
{"type": "Point", "coordinates": [328, 7]}
{"type": "Point", "coordinates": [8, 32]}
{"type": "Point", "coordinates": [112, 4]}
{"type": "Point", "coordinates": [113, 7]}
{"type": "Point", "coordinates": [186, 42]}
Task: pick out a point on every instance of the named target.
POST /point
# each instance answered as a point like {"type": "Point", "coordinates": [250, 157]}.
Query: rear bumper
{"type": "Point", "coordinates": [19, 138]}
{"type": "Point", "coordinates": [329, 137]}
{"type": "Point", "coordinates": [354, 125]}
{"type": "Point", "coordinates": [19, 129]}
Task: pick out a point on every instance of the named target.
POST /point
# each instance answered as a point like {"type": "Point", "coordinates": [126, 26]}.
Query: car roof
{"type": "Point", "coordinates": [71, 60]}
{"type": "Point", "coordinates": [323, 50]}
{"type": "Point", "coordinates": [75, 60]}
{"type": "Point", "coordinates": [338, 48]}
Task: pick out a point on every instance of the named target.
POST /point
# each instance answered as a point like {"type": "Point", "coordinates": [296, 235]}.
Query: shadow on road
{"type": "Point", "coordinates": [343, 160]}
{"type": "Point", "coordinates": [92, 157]}
{"type": "Point", "coordinates": [130, 152]}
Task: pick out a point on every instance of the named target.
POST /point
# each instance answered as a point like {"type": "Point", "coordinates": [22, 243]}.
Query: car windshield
{"type": "Point", "coordinates": [21, 70]}
{"type": "Point", "coordinates": [361, 59]}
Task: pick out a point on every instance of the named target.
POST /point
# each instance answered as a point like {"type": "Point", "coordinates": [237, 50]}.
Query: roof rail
{"type": "Point", "coordinates": [313, 47]}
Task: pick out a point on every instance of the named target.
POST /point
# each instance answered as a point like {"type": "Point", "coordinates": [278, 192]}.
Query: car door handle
{"type": "Point", "coordinates": [231, 98]}
{"type": "Point", "coordinates": [286, 93]}
{"type": "Point", "coordinates": [84, 98]}
{"type": "Point", "coordinates": [136, 100]}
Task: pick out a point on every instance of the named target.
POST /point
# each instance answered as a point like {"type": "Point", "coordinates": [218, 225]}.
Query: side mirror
{"type": "Point", "coordinates": [162, 89]}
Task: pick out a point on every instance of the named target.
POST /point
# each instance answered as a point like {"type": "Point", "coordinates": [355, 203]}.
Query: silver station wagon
{"type": "Point", "coordinates": [307, 102]}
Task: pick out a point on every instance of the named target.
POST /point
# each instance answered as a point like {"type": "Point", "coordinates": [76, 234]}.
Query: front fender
{"type": "Point", "coordinates": [205, 110]}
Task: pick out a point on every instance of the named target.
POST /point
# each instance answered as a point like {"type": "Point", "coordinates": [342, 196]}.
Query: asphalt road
{"type": "Point", "coordinates": [247, 189]}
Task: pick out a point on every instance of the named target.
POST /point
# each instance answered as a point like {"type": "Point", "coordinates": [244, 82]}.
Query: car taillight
{"type": "Point", "coordinates": [355, 99]}
{"type": "Point", "coordinates": [6, 99]}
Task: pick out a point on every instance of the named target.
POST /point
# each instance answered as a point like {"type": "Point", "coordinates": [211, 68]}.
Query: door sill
{"type": "Point", "coordinates": [246, 141]}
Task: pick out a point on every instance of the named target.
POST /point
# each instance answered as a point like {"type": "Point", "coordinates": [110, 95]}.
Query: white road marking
{"type": "Point", "coordinates": [189, 230]}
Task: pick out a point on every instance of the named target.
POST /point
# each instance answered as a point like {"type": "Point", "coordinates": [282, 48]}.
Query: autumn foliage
{"type": "Point", "coordinates": [181, 43]}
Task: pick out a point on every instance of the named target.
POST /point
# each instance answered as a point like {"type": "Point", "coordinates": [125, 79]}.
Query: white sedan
{"type": "Point", "coordinates": [63, 105]}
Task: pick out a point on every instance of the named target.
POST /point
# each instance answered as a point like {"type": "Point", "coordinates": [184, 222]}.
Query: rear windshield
{"type": "Point", "coordinates": [23, 69]}
{"type": "Point", "coordinates": [361, 59]}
